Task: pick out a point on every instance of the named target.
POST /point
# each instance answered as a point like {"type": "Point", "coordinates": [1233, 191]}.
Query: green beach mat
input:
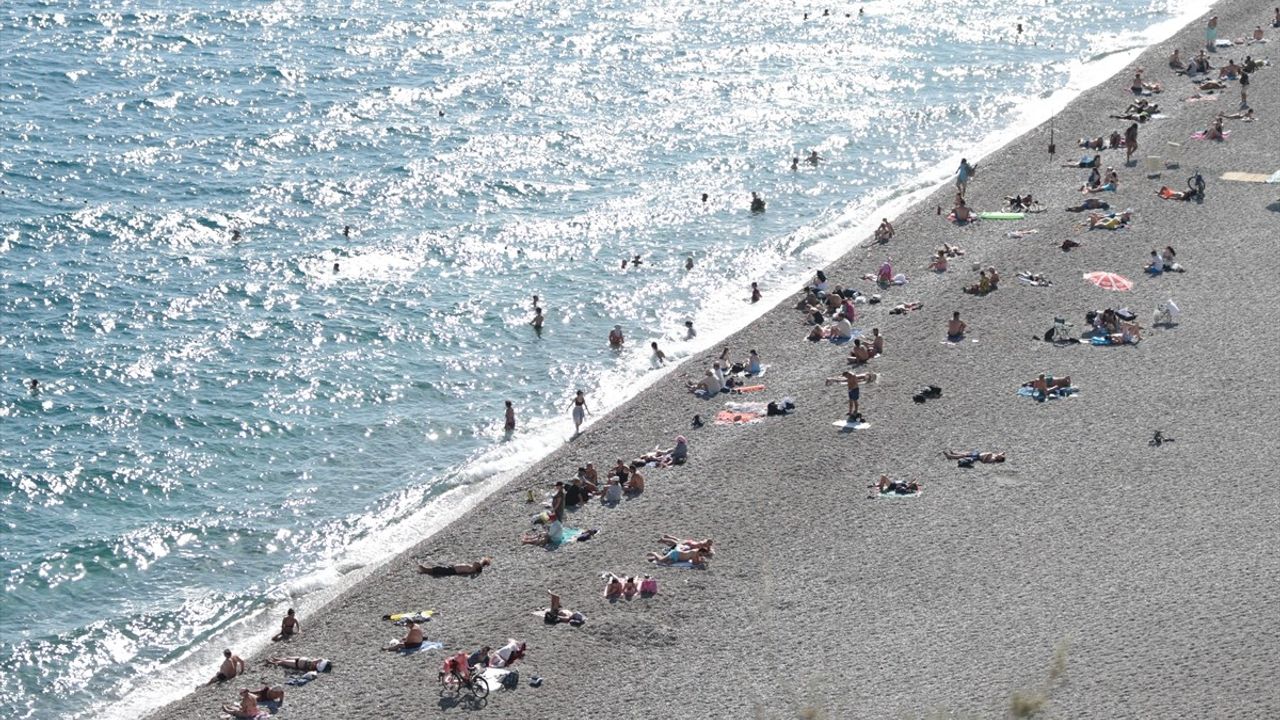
{"type": "Point", "coordinates": [1002, 215]}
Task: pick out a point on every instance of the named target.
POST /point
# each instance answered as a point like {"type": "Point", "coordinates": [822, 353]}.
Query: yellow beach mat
{"type": "Point", "coordinates": [1246, 177]}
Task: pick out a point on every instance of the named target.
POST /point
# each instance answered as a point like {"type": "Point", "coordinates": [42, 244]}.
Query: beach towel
{"type": "Point", "coordinates": [403, 618]}
{"type": "Point", "coordinates": [849, 425]}
{"type": "Point", "coordinates": [1204, 135]}
{"type": "Point", "coordinates": [426, 645]}
{"type": "Point", "coordinates": [684, 564]}
{"type": "Point", "coordinates": [1002, 215]}
{"type": "Point", "coordinates": [496, 677]}
{"type": "Point", "coordinates": [303, 679]}
{"type": "Point", "coordinates": [730, 417]}
{"type": "Point", "coordinates": [1200, 98]}
{"type": "Point", "coordinates": [748, 389]}
{"type": "Point", "coordinates": [1247, 177]}
{"type": "Point", "coordinates": [568, 535]}
{"type": "Point", "coordinates": [1056, 393]}
{"type": "Point", "coordinates": [1018, 234]}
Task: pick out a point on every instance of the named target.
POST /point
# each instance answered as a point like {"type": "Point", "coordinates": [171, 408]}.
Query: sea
{"type": "Point", "coordinates": [272, 264]}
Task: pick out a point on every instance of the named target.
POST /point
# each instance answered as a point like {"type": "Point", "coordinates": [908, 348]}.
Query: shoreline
{"type": "Point", "coordinates": [600, 443]}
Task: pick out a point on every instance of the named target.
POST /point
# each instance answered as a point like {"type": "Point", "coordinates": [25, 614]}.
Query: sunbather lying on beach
{"type": "Point", "coordinates": [1108, 221]}
{"type": "Point", "coordinates": [266, 693]}
{"type": "Point", "coordinates": [508, 654]}
{"type": "Point", "coordinates": [1246, 116]}
{"type": "Point", "coordinates": [1211, 85]}
{"type": "Point", "coordinates": [904, 308]}
{"type": "Point", "coordinates": [976, 455]}
{"type": "Point", "coordinates": [557, 614]}
{"type": "Point", "coordinates": [1090, 204]}
{"type": "Point", "coordinates": [674, 455]}
{"type": "Point", "coordinates": [471, 569]}
{"type": "Point", "coordinates": [1086, 162]}
{"type": "Point", "coordinates": [951, 251]}
{"type": "Point", "coordinates": [1044, 386]}
{"type": "Point", "coordinates": [247, 709]}
{"type": "Point", "coordinates": [676, 555]}
{"type": "Point", "coordinates": [302, 663]}
{"type": "Point", "coordinates": [412, 639]}
{"type": "Point", "coordinates": [706, 545]}
{"type": "Point", "coordinates": [899, 487]}
{"type": "Point", "coordinates": [1033, 279]}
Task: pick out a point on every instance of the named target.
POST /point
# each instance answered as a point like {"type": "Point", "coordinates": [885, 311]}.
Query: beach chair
{"type": "Point", "coordinates": [1154, 166]}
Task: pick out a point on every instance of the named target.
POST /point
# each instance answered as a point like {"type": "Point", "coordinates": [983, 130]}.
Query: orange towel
{"type": "Point", "coordinates": [728, 417]}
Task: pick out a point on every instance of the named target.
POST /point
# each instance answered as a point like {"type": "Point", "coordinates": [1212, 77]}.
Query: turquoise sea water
{"type": "Point", "coordinates": [225, 422]}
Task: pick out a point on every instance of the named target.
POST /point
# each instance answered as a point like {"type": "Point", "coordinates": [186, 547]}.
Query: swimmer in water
{"type": "Point", "coordinates": [335, 268]}
{"type": "Point", "coordinates": [795, 164]}
{"type": "Point", "coordinates": [615, 337]}
{"type": "Point", "coordinates": [509, 424]}
{"type": "Point", "coordinates": [689, 332]}
{"type": "Point", "coordinates": [34, 386]}
{"type": "Point", "coordinates": [235, 236]}
{"type": "Point", "coordinates": [757, 203]}
{"type": "Point", "coordinates": [658, 356]}
{"type": "Point", "coordinates": [536, 322]}
{"type": "Point", "coordinates": [688, 263]}
{"type": "Point", "coordinates": [755, 293]}
{"type": "Point", "coordinates": [636, 261]}
{"type": "Point", "coordinates": [814, 158]}
{"type": "Point", "coordinates": [346, 231]}
{"type": "Point", "coordinates": [704, 197]}
{"type": "Point", "coordinates": [535, 301]}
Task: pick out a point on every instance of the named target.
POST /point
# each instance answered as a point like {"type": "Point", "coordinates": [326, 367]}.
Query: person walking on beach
{"type": "Point", "coordinates": [1130, 142]}
{"type": "Point", "coordinates": [963, 173]}
{"type": "Point", "coordinates": [231, 666]}
{"type": "Point", "coordinates": [288, 627]}
{"type": "Point", "coordinates": [1211, 34]}
{"type": "Point", "coordinates": [579, 411]}
{"type": "Point", "coordinates": [509, 425]}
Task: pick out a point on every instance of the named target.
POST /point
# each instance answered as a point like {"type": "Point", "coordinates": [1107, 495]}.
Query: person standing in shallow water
{"type": "Point", "coordinates": [509, 425]}
{"type": "Point", "coordinates": [755, 293]}
{"type": "Point", "coordinates": [580, 411]}
{"type": "Point", "coordinates": [537, 320]}
{"type": "Point", "coordinates": [757, 203]}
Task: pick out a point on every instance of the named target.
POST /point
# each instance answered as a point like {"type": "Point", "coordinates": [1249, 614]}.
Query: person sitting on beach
{"type": "Point", "coordinates": [841, 329]}
{"type": "Point", "coordinates": [1215, 131]}
{"type": "Point", "coordinates": [1139, 86]}
{"type": "Point", "coordinates": [612, 587]}
{"type": "Point", "coordinates": [859, 354]}
{"type": "Point", "coordinates": [1175, 60]}
{"type": "Point", "coordinates": [890, 487]}
{"type": "Point", "coordinates": [975, 455]}
{"type": "Point", "coordinates": [612, 492]}
{"type": "Point", "coordinates": [1155, 265]}
{"type": "Point", "coordinates": [412, 639]}
{"type": "Point", "coordinates": [1086, 162]}
{"type": "Point", "coordinates": [247, 709]}
{"type": "Point", "coordinates": [752, 366]}
{"type": "Point", "coordinates": [982, 287]}
{"type": "Point", "coordinates": [553, 535]}
{"type": "Point", "coordinates": [1108, 183]}
{"type": "Point", "coordinates": [1199, 64]}
{"type": "Point", "coordinates": [508, 654]}
{"type": "Point", "coordinates": [303, 664]}
{"type": "Point", "coordinates": [289, 627]}
{"type": "Point", "coordinates": [939, 263]}
{"type": "Point", "coordinates": [884, 233]}
{"type": "Point", "coordinates": [1169, 257]}
{"type": "Point", "coordinates": [472, 569]}
{"type": "Point", "coordinates": [960, 212]}
{"type": "Point", "coordinates": [1230, 71]}
{"type": "Point", "coordinates": [231, 666]}
{"type": "Point", "coordinates": [709, 386]}
{"type": "Point", "coordinates": [634, 485]}
{"type": "Point", "coordinates": [956, 327]}
{"type": "Point", "coordinates": [993, 277]}
{"type": "Point", "coordinates": [877, 342]}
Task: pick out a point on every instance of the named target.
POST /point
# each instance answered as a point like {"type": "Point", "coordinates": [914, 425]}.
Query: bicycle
{"type": "Point", "coordinates": [455, 683]}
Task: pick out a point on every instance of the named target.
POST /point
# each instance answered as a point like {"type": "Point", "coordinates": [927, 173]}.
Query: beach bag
{"type": "Point", "coordinates": [965, 463]}
{"type": "Point", "coordinates": [511, 680]}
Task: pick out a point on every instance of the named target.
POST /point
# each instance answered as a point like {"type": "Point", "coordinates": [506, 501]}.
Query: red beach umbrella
{"type": "Point", "coordinates": [1109, 281]}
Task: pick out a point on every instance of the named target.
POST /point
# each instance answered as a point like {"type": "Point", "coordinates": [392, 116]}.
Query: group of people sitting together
{"type": "Point", "coordinates": [1046, 386]}
{"type": "Point", "coordinates": [726, 376]}
{"type": "Point", "coordinates": [988, 282]}
{"type": "Point", "coordinates": [1162, 261]}
{"type": "Point", "coordinates": [1113, 327]}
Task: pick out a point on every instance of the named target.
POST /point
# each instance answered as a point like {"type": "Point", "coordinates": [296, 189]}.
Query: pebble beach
{"type": "Point", "coordinates": [1092, 575]}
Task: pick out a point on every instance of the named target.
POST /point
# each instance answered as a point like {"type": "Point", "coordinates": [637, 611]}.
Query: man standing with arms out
{"type": "Point", "coordinates": [852, 381]}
